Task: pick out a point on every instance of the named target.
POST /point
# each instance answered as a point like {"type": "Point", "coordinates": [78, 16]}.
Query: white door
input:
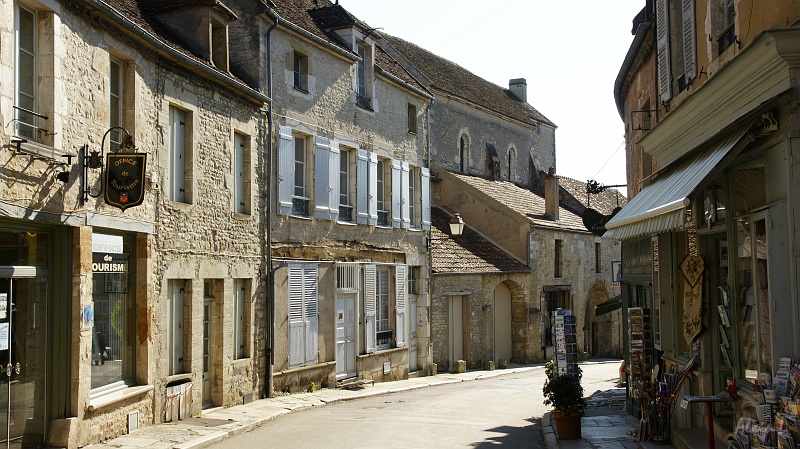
{"type": "Point", "coordinates": [207, 352]}
{"type": "Point", "coordinates": [502, 323]}
{"type": "Point", "coordinates": [346, 337]}
{"type": "Point", "coordinates": [456, 326]}
{"type": "Point", "coordinates": [412, 335]}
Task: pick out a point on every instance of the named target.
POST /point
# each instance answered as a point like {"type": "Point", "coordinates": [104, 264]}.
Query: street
{"type": "Point", "coordinates": [504, 410]}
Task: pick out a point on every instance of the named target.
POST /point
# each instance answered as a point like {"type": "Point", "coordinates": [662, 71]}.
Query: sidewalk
{"type": "Point", "coordinates": [222, 422]}
{"type": "Point", "coordinates": [605, 425]}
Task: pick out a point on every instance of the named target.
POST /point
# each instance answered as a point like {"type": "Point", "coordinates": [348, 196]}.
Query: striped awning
{"type": "Point", "coordinates": [660, 206]}
{"type": "Point", "coordinates": [608, 306]}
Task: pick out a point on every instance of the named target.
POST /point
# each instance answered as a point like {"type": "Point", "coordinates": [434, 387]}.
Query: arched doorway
{"type": "Point", "coordinates": [502, 323]}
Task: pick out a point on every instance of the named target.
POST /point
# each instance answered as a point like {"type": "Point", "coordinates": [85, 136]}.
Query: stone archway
{"type": "Point", "coordinates": [519, 338]}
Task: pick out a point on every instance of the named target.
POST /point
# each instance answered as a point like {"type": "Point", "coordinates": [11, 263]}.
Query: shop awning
{"type": "Point", "coordinates": [608, 306]}
{"type": "Point", "coordinates": [660, 207]}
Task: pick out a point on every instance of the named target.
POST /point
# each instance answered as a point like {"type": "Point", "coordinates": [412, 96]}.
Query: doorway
{"type": "Point", "coordinates": [457, 330]}
{"type": "Point", "coordinates": [23, 333]}
{"type": "Point", "coordinates": [345, 336]}
{"type": "Point", "coordinates": [502, 323]}
{"type": "Point", "coordinates": [208, 365]}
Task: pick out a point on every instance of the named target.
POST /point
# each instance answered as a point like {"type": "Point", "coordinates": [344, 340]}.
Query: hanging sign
{"type": "Point", "coordinates": [125, 179]}
{"type": "Point", "coordinates": [595, 221]}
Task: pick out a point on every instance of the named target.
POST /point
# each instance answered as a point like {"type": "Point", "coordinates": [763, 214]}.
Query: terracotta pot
{"type": "Point", "coordinates": [568, 427]}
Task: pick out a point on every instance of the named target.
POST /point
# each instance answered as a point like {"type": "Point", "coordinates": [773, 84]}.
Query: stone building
{"type": "Point", "coordinates": [351, 204]}
{"type": "Point", "coordinates": [707, 94]}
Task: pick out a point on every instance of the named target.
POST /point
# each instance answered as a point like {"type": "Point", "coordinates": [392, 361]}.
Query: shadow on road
{"type": "Point", "coordinates": [529, 436]}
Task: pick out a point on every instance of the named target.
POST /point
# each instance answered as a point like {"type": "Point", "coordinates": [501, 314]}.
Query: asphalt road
{"type": "Point", "coordinates": [500, 411]}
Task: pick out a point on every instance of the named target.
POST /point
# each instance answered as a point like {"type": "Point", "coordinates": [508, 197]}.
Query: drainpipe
{"type": "Point", "coordinates": [270, 271]}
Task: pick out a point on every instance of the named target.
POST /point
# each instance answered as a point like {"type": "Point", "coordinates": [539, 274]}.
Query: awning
{"type": "Point", "coordinates": [660, 207]}
{"type": "Point", "coordinates": [608, 306]}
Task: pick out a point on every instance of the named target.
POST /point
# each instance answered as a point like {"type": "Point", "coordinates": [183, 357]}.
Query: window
{"type": "Point", "coordinates": [114, 297]}
{"type": "Point", "coordinates": [412, 118]}
{"type": "Point", "coordinates": [557, 259]}
{"type": "Point", "coordinates": [598, 260]}
{"type": "Point", "coordinates": [115, 103]}
{"type": "Point", "coordinates": [367, 187]}
{"type": "Point", "coordinates": [755, 329]}
{"type": "Point", "coordinates": [346, 196]}
{"type": "Point", "coordinates": [512, 164]}
{"type": "Point", "coordinates": [363, 69]}
{"type": "Point", "coordinates": [464, 154]}
{"type": "Point", "coordinates": [179, 145]}
{"type": "Point", "coordinates": [303, 318]}
{"type": "Point", "coordinates": [384, 321]}
{"type": "Point", "coordinates": [300, 198]}
{"type": "Point", "coordinates": [241, 173]}
{"type": "Point", "coordinates": [676, 45]}
{"type": "Point", "coordinates": [26, 89]}
{"type": "Point", "coordinates": [380, 197]}
{"type": "Point", "coordinates": [175, 322]}
{"type": "Point", "coordinates": [413, 281]}
{"type": "Point", "coordinates": [300, 68]}
{"type": "Point", "coordinates": [413, 198]}
{"type": "Point", "coordinates": [728, 25]}
{"type": "Point", "coordinates": [239, 319]}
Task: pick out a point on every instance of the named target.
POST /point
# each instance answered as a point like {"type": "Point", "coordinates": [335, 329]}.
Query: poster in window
{"type": "Point", "coordinates": [4, 335]}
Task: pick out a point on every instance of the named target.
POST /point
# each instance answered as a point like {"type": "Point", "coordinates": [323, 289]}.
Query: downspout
{"type": "Point", "coordinates": [429, 356]}
{"type": "Point", "coordinates": [270, 271]}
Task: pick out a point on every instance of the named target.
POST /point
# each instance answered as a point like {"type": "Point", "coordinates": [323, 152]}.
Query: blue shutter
{"type": "Point", "coordinates": [286, 170]}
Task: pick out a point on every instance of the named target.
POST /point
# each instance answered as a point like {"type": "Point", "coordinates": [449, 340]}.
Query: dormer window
{"type": "Point", "coordinates": [219, 44]}
{"type": "Point", "coordinates": [363, 71]}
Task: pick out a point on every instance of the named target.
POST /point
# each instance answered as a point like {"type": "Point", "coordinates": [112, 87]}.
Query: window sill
{"type": "Point", "coordinates": [117, 396]}
{"type": "Point", "coordinates": [346, 223]}
{"type": "Point", "coordinates": [242, 217]}
{"type": "Point", "coordinates": [300, 89]}
{"type": "Point", "coordinates": [41, 151]}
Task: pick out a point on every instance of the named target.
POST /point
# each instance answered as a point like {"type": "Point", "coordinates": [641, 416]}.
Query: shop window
{"type": "Point", "coordinates": [114, 297]}
{"type": "Point", "coordinates": [755, 330]}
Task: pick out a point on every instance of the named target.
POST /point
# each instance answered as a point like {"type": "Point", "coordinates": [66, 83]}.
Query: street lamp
{"type": "Point", "coordinates": [456, 225]}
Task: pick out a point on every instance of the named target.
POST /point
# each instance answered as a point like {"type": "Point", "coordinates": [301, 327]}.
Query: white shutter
{"type": "Point", "coordinates": [175, 293]}
{"type": "Point", "coordinates": [322, 194]}
{"type": "Point", "coordinates": [397, 196]}
{"type": "Point", "coordinates": [401, 297]}
{"type": "Point", "coordinates": [311, 317]}
{"type": "Point", "coordinates": [296, 319]}
{"type": "Point", "coordinates": [238, 174]}
{"type": "Point", "coordinates": [238, 316]}
{"type": "Point", "coordinates": [662, 50]}
{"type": "Point", "coordinates": [333, 181]}
{"type": "Point", "coordinates": [689, 41]}
{"type": "Point", "coordinates": [405, 201]}
{"type": "Point", "coordinates": [425, 184]}
{"type": "Point", "coordinates": [370, 293]}
{"type": "Point", "coordinates": [373, 189]}
{"type": "Point", "coordinates": [286, 170]}
{"type": "Point", "coordinates": [362, 187]}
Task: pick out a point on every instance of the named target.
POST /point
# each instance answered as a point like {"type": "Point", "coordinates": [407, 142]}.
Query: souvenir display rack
{"type": "Point", "coordinates": [566, 342]}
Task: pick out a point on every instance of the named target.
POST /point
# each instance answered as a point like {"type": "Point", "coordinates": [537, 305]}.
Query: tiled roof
{"type": "Point", "coordinates": [457, 81]}
{"type": "Point", "coordinates": [467, 253]}
{"type": "Point", "coordinates": [604, 202]}
{"type": "Point", "coordinates": [524, 202]}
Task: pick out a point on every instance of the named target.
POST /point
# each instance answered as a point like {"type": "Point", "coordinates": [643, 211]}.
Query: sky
{"type": "Point", "coordinates": [569, 51]}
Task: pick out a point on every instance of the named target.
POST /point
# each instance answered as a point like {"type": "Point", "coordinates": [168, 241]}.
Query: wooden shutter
{"type": "Point", "coordinates": [689, 41]}
{"type": "Point", "coordinates": [425, 185]}
{"type": "Point", "coordinates": [322, 197]}
{"type": "Point", "coordinates": [401, 296]}
{"type": "Point", "coordinates": [286, 170]}
{"type": "Point", "coordinates": [662, 50]}
{"type": "Point", "coordinates": [296, 318]}
{"type": "Point", "coordinates": [397, 195]}
{"type": "Point", "coordinates": [311, 318]}
{"type": "Point", "coordinates": [362, 187]}
{"type": "Point", "coordinates": [373, 189]}
{"type": "Point", "coordinates": [405, 201]}
{"type": "Point", "coordinates": [370, 309]}
{"type": "Point", "coordinates": [333, 181]}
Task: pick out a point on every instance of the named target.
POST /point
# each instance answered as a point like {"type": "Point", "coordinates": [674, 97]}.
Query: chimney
{"type": "Point", "coordinates": [519, 87]}
{"type": "Point", "coordinates": [551, 203]}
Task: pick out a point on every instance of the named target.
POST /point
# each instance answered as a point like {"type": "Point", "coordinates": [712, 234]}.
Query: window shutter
{"type": "Point", "coordinates": [370, 293]}
{"type": "Point", "coordinates": [322, 197]}
{"type": "Point", "coordinates": [286, 170]}
{"type": "Point", "coordinates": [238, 316]}
{"type": "Point", "coordinates": [373, 189]}
{"type": "Point", "coordinates": [238, 174]}
{"type": "Point", "coordinates": [405, 201]}
{"type": "Point", "coordinates": [362, 187]}
{"type": "Point", "coordinates": [333, 181]}
{"type": "Point", "coordinates": [177, 172]}
{"type": "Point", "coordinates": [662, 37]}
{"type": "Point", "coordinates": [689, 41]}
{"type": "Point", "coordinates": [296, 321]}
{"type": "Point", "coordinates": [397, 196]}
{"type": "Point", "coordinates": [425, 176]}
{"type": "Point", "coordinates": [400, 290]}
{"type": "Point", "coordinates": [311, 317]}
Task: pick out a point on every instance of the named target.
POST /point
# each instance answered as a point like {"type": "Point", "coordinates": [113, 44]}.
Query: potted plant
{"type": "Point", "coordinates": [565, 394]}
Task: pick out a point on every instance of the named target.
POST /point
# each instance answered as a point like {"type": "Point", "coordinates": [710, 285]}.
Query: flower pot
{"type": "Point", "coordinates": [568, 427]}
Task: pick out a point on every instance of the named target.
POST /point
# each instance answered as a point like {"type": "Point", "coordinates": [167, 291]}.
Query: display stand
{"type": "Point", "coordinates": [566, 342]}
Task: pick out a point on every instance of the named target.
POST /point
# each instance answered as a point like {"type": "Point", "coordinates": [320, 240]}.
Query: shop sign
{"type": "Point", "coordinates": [616, 273]}
{"type": "Point", "coordinates": [109, 263]}
{"type": "Point", "coordinates": [595, 221]}
{"type": "Point", "coordinates": [125, 179]}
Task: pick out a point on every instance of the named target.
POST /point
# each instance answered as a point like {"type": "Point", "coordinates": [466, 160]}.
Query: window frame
{"type": "Point", "coordinates": [179, 159]}
{"type": "Point", "coordinates": [413, 198]}
{"type": "Point", "coordinates": [300, 71]}
{"type": "Point", "coordinates": [176, 335]}
{"type": "Point", "coordinates": [346, 208]}
{"type": "Point", "coordinates": [598, 257]}
{"type": "Point", "coordinates": [363, 72]}
{"type": "Point", "coordinates": [383, 307]}
{"type": "Point", "coordinates": [558, 254]}
{"type": "Point", "coordinates": [383, 206]}
{"type": "Point", "coordinates": [21, 112]}
{"type": "Point", "coordinates": [240, 320]}
{"type": "Point", "coordinates": [301, 189]}
{"type": "Point", "coordinates": [241, 173]}
{"type": "Point", "coordinates": [412, 118]}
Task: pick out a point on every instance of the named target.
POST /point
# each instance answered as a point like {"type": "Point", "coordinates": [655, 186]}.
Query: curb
{"type": "Point", "coordinates": [549, 432]}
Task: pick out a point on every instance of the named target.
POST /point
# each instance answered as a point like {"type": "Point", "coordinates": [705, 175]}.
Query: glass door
{"type": "Point", "coordinates": [22, 358]}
